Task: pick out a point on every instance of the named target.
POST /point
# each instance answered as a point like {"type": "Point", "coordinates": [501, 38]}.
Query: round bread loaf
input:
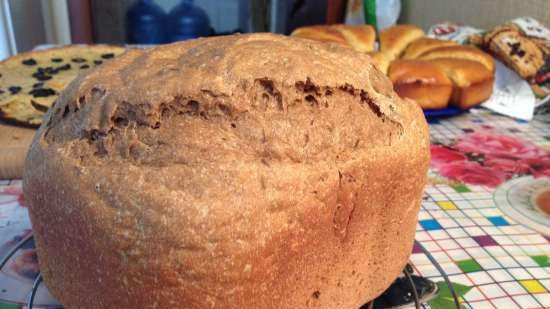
{"type": "Point", "coordinates": [245, 171]}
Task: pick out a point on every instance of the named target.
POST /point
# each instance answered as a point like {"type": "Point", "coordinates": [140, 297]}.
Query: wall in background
{"type": "Point", "coordinates": [56, 21]}
{"type": "Point", "coordinates": [483, 14]}
{"type": "Point", "coordinates": [7, 38]}
{"type": "Point", "coordinates": [108, 20]}
{"type": "Point", "coordinates": [39, 22]}
{"type": "Point", "coordinates": [28, 24]}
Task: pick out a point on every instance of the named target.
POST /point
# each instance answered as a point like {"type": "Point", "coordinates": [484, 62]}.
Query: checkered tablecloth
{"type": "Point", "coordinates": [492, 259]}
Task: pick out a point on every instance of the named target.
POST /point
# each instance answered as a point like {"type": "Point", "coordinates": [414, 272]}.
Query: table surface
{"type": "Point", "coordinates": [494, 257]}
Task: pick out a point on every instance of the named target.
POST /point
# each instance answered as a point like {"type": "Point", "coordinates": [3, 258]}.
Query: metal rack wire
{"type": "Point", "coordinates": [411, 296]}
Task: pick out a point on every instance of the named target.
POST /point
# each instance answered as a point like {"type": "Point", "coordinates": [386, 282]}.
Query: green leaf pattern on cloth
{"type": "Point", "coordinates": [444, 299]}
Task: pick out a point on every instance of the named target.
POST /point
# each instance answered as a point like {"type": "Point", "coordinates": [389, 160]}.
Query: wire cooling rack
{"type": "Point", "coordinates": [406, 290]}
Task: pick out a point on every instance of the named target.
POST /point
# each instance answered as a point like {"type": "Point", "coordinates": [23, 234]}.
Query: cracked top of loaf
{"type": "Point", "coordinates": [241, 86]}
{"type": "Point", "coordinates": [219, 107]}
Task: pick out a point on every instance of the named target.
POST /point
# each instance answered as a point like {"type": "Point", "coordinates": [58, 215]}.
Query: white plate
{"type": "Point", "coordinates": [516, 199]}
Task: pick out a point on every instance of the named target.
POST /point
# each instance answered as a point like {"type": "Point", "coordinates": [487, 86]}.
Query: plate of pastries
{"type": "Point", "coordinates": [442, 76]}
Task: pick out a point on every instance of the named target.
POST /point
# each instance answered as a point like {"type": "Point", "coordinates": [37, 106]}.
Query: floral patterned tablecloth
{"type": "Point", "coordinates": [482, 217]}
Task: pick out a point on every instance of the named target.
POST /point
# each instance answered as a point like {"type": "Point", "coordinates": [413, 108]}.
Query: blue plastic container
{"type": "Point", "coordinates": [145, 23]}
{"type": "Point", "coordinates": [187, 21]}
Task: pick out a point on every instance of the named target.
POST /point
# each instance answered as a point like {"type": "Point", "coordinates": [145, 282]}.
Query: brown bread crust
{"type": "Point", "coordinates": [246, 171]}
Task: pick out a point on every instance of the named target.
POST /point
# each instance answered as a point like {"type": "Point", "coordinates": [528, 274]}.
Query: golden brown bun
{"type": "Point", "coordinates": [360, 37]}
{"type": "Point", "coordinates": [380, 61]}
{"type": "Point", "coordinates": [394, 40]}
{"type": "Point", "coordinates": [227, 172]}
{"type": "Point", "coordinates": [422, 82]}
{"type": "Point", "coordinates": [320, 33]}
{"type": "Point", "coordinates": [473, 82]}
{"type": "Point", "coordinates": [433, 85]}
{"type": "Point", "coordinates": [423, 45]}
{"type": "Point", "coordinates": [461, 52]}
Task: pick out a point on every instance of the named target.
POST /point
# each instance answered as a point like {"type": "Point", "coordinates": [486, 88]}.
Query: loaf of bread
{"type": "Point", "coordinates": [423, 45]}
{"type": "Point", "coordinates": [421, 81]}
{"type": "Point", "coordinates": [358, 37]}
{"type": "Point", "coordinates": [227, 172]}
{"type": "Point", "coordinates": [473, 82]}
{"type": "Point", "coordinates": [394, 40]}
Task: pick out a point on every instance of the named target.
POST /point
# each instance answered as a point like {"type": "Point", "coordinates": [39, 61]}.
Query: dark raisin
{"type": "Point", "coordinates": [64, 67]}
{"type": "Point", "coordinates": [515, 49]}
{"type": "Point", "coordinates": [50, 70]}
{"type": "Point", "coordinates": [57, 60]}
{"type": "Point", "coordinates": [42, 92]}
{"type": "Point", "coordinates": [78, 60]}
{"type": "Point", "coordinates": [29, 61]}
{"type": "Point", "coordinates": [98, 62]}
{"type": "Point", "coordinates": [85, 66]}
{"type": "Point", "coordinates": [1, 91]}
{"type": "Point", "coordinates": [107, 56]}
{"type": "Point", "coordinates": [41, 76]}
{"type": "Point", "coordinates": [14, 89]}
{"type": "Point", "coordinates": [38, 85]}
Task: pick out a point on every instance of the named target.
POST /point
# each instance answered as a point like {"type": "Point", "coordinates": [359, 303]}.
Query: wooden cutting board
{"type": "Point", "coordinates": [14, 142]}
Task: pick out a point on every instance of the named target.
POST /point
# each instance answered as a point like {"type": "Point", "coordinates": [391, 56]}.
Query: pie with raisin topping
{"type": "Point", "coordinates": [30, 82]}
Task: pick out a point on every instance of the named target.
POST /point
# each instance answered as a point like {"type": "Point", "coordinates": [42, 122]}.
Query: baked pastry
{"type": "Point", "coordinates": [472, 82]}
{"type": "Point", "coordinates": [380, 61]}
{"type": "Point", "coordinates": [523, 44]}
{"type": "Point", "coordinates": [461, 52]}
{"type": "Point", "coordinates": [322, 33]}
{"type": "Point", "coordinates": [422, 82]}
{"type": "Point", "coordinates": [296, 184]}
{"type": "Point", "coordinates": [359, 37]}
{"type": "Point", "coordinates": [520, 53]}
{"type": "Point", "coordinates": [423, 45]}
{"type": "Point", "coordinates": [394, 40]}
{"type": "Point", "coordinates": [30, 82]}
